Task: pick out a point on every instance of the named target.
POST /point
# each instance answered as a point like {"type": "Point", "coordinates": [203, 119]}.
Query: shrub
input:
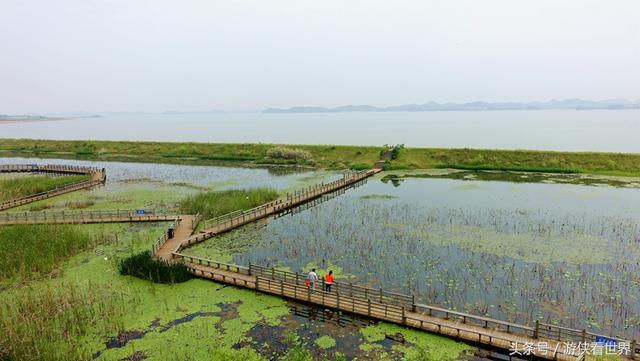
{"type": "Point", "coordinates": [283, 153]}
{"type": "Point", "coordinates": [395, 151]}
{"type": "Point", "coordinates": [143, 265]}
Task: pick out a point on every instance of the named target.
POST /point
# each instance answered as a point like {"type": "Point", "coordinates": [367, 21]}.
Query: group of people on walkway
{"type": "Point", "coordinates": [312, 280]}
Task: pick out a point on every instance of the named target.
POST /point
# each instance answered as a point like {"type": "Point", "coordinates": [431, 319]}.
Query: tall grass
{"type": "Point", "coordinates": [45, 322]}
{"type": "Point", "coordinates": [37, 249]}
{"type": "Point", "coordinates": [24, 186]}
{"type": "Point", "coordinates": [213, 204]}
{"type": "Point", "coordinates": [144, 265]}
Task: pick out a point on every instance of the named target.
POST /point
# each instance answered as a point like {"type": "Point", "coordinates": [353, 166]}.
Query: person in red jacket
{"type": "Point", "coordinates": [328, 281]}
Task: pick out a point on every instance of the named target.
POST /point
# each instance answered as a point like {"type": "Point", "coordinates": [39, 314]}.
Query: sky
{"type": "Point", "coordinates": [124, 55]}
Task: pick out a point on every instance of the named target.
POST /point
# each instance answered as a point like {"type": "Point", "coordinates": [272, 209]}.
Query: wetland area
{"type": "Point", "coordinates": [514, 246]}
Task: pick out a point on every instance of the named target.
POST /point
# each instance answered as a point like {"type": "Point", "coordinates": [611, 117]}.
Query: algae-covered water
{"type": "Point", "coordinates": [559, 253]}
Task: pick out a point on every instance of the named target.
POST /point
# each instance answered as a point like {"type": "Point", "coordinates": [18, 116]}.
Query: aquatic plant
{"type": "Point", "coordinates": [145, 266]}
{"type": "Point", "coordinates": [216, 203]}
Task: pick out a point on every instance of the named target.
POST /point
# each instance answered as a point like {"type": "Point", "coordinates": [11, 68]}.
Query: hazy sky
{"type": "Point", "coordinates": [67, 55]}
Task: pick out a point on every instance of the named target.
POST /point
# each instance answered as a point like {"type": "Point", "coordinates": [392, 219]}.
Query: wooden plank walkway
{"type": "Point", "coordinates": [182, 229]}
{"type": "Point", "coordinates": [85, 217]}
{"type": "Point", "coordinates": [456, 325]}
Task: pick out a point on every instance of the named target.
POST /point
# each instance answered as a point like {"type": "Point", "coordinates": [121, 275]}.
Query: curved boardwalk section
{"type": "Point", "coordinates": [97, 177]}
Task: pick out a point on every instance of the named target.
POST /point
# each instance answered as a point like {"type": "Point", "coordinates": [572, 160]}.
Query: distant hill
{"type": "Point", "coordinates": [576, 104]}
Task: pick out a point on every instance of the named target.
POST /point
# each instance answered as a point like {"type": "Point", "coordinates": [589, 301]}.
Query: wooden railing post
{"type": "Point", "coordinates": [537, 329]}
{"type": "Point", "coordinates": [413, 303]}
{"type": "Point", "coordinates": [404, 316]}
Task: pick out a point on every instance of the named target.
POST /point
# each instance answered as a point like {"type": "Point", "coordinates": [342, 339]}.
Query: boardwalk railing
{"type": "Point", "coordinates": [239, 217]}
{"type": "Point", "coordinates": [164, 237]}
{"type": "Point", "coordinates": [390, 306]}
{"type": "Point", "coordinates": [84, 216]}
{"type": "Point", "coordinates": [51, 168]}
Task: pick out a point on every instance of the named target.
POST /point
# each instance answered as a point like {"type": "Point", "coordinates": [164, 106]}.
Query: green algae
{"type": "Point", "coordinates": [325, 342]}
{"type": "Point", "coordinates": [378, 196]}
{"type": "Point", "coordinates": [421, 345]}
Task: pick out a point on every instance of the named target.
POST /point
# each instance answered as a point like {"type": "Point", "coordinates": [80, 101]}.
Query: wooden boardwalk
{"type": "Point", "coordinates": [96, 177]}
{"type": "Point", "coordinates": [545, 341]}
{"type": "Point", "coordinates": [86, 217]}
{"type": "Point", "coordinates": [216, 226]}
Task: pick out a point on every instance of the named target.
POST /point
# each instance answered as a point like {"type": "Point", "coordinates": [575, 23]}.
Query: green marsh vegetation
{"type": "Point", "coordinates": [23, 186]}
{"type": "Point", "coordinates": [331, 157]}
{"type": "Point", "coordinates": [27, 250]}
{"type": "Point", "coordinates": [216, 203]}
{"type": "Point", "coordinates": [46, 322]}
{"type": "Point", "coordinates": [145, 266]}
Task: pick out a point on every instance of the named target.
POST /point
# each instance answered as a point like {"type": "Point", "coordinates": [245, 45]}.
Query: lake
{"type": "Point", "coordinates": [569, 130]}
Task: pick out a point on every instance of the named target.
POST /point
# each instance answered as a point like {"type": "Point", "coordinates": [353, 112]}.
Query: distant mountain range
{"type": "Point", "coordinates": [575, 104]}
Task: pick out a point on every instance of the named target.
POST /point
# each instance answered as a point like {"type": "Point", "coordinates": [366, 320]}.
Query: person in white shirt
{"type": "Point", "coordinates": [312, 277]}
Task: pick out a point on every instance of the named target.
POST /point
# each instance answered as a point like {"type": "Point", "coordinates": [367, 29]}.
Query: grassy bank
{"type": "Point", "coordinates": [23, 186]}
{"type": "Point", "coordinates": [325, 156]}
{"type": "Point", "coordinates": [213, 204]}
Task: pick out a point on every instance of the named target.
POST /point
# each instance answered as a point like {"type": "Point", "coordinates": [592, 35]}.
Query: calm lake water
{"type": "Point", "coordinates": [513, 251]}
{"type": "Point", "coordinates": [599, 130]}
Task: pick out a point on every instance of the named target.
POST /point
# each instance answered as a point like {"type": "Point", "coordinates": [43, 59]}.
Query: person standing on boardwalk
{"type": "Point", "coordinates": [328, 281]}
{"type": "Point", "coordinates": [312, 277]}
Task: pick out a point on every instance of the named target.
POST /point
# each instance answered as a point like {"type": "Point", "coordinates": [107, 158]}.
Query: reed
{"type": "Point", "coordinates": [213, 204]}
{"type": "Point", "coordinates": [46, 322]}
{"type": "Point", "coordinates": [23, 186]}
{"type": "Point", "coordinates": [28, 250]}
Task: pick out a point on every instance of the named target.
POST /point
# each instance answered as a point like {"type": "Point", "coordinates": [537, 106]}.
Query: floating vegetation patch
{"type": "Point", "coordinates": [522, 177]}
{"type": "Point", "coordinates": [378, 196]}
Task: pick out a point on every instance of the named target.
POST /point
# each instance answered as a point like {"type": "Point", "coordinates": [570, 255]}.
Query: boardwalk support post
{"type": "Point", "coordinates": [536, 330]}
{"type": "Point", "coordinates": [404, 317]}
{"type": "Point", "coordinates": [413, 303]}
{"type": "Point", "coordinates": [584, 336]}
{"type": "Point", "coordinates": [633, 349]}
{"type": "Point", "coordinates": [249, 268]}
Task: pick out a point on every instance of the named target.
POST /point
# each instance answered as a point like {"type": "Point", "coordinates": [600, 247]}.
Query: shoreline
{"type": "Point", "coordinates": [333, 157]}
